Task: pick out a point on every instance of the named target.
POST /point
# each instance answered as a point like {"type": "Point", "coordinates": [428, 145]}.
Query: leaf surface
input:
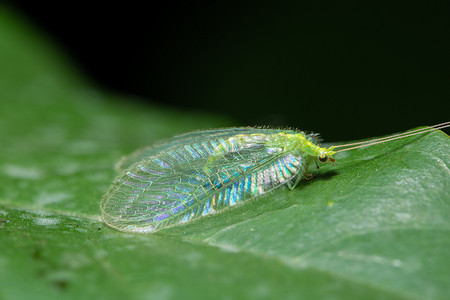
{"type": "Point", "coordinates": [374, 226]}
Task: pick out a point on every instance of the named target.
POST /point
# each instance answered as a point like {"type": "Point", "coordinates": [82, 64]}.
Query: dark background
{"type": "Point", "coordinates": [348, 70]}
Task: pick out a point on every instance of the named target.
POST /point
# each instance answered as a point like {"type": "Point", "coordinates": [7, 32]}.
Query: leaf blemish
{"type": "Point", "coordinates": [45, 198]}
{"type": "Point", "coordinates": [46, 221]}
{"type": "Point", "coordinates": [22, 172]}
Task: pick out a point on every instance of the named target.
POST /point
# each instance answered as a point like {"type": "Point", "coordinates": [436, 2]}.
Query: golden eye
{"type": "Point", "coordinates": [323, 157]}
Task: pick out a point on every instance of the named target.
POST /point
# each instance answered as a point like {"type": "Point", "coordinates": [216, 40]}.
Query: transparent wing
{"type": "Point", "coordinates": [186, 138]}
{"type": "Point", "coordinates": [190, 180]}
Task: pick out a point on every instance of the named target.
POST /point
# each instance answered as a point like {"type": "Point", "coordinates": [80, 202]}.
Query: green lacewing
{"type": "Point", "coordinates": [200, 173]}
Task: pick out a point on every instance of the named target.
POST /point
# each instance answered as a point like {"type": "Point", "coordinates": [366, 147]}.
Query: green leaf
{"type": "Point", "coordinates": [373, 226]}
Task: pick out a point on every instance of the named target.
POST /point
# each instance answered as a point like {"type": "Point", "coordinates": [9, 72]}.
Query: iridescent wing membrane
{"type": "Point", "coordinates": [198, 174]}
{"type": "Point", "coordinates": [182, 139]}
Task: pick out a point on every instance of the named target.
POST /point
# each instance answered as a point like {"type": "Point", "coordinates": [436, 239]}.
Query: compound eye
{"type": "Point", "coordinates": [323, 157]}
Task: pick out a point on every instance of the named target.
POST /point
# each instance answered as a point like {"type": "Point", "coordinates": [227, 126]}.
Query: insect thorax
{"type": "Point", "coordinates": [294, 142]}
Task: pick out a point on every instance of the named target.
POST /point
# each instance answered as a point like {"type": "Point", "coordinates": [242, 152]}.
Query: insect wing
{"type": "Point", "coordinates": [186, 138]}
{"type": "Point", "coordinates": [189, 180]}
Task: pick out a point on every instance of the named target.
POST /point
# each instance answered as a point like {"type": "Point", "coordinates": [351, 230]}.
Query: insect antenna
{"type": "Point", "coordinates": [357, 145]}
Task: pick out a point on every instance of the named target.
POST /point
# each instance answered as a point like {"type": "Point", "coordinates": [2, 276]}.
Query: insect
{"type": "Point", "coordinates": [200, 173]}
